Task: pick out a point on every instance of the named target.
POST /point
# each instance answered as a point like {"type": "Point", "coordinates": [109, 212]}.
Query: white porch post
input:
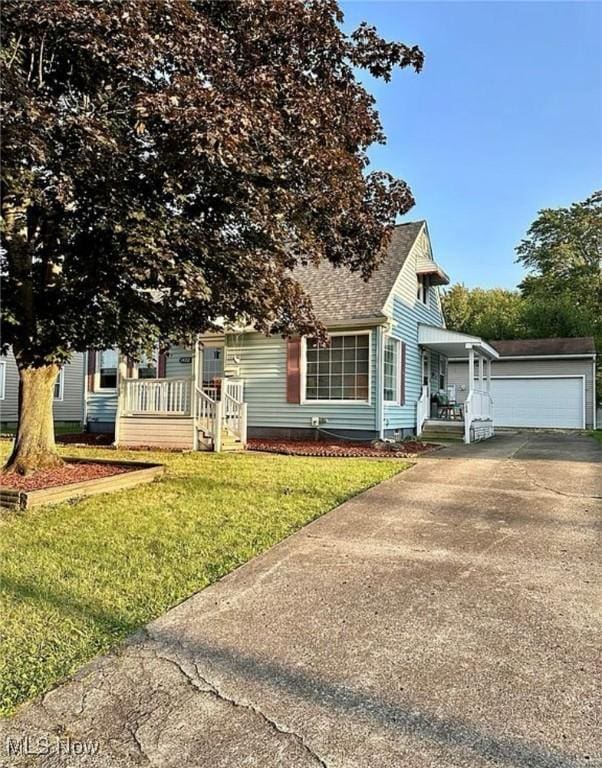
{"type": "Point", "coordinates": [481, 371]}
{"type": "Point", "coordinates": [468, 401]}
{"type": "Point", "coordinates": [123, 369]}
{"type": "Point", "coordinates": [197, 368]}
{"type": "Point", "coordinates": [470, 369]}
{"type": "Point", "coordinates": [194, 400]}
{"type": "Point", "coordinates": [489, 375]}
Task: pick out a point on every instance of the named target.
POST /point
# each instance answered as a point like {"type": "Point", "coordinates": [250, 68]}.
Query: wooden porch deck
{"type": "Point", "coordinates": [176, 413]}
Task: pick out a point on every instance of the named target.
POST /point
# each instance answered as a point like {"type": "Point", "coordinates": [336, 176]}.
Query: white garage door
{"type": "Point", "coordinates": [542, 402]}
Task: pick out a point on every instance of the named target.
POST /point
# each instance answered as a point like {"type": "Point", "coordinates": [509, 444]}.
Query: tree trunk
{"type": "Point", "coordinates": [35, 447]}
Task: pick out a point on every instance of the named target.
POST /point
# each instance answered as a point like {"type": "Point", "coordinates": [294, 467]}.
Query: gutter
{"type": "Point", "coordinates": [531, 357]}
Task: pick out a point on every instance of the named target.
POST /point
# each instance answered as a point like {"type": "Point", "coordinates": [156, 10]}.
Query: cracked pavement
{"type": "Point", "coordinates": [448, 617]}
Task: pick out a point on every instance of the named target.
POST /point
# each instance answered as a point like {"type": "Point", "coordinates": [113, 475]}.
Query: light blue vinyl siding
{"type": "Point", "coordinates": [263, 365]}
{"type": "Point", "coordinates": [176, 366]}
{"type": "Point", "coordinates": [405, 319]}
{"type": "Point", "coordinates": [102, 407]}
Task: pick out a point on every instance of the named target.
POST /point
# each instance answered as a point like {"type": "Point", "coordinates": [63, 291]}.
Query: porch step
{"type": "Point", "coordinates": [439, 425]}
{"type": "Point", "coordinates": [444, 437]}
{"type": "Point", "coordinates": [437, 429]}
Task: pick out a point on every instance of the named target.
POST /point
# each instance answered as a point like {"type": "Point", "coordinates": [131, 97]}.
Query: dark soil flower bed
{"type": "Point", "coordinates": [68, 473]}
{"type": "Point", "coordinates": [86, 438]}
{"type": "Point", "coordinates": [339, 448]}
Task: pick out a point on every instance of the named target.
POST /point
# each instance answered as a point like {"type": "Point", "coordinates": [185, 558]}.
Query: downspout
{"type": "Point", "coordinates": [594, 403]}
{"type": "Point", "coordinates": [380, 401]}
{"type": "Point", "coordinates": [84, 419]}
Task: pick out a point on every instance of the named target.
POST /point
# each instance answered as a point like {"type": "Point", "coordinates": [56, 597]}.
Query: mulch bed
{"type": "Point", "coordinates": [86, 438]}
{"type": "Point", "coordinates": [339, 448]}
{"type": "Point", "coordinates": [69, 473]}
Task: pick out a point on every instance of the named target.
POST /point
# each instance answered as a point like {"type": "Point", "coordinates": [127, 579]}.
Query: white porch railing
{"type": "Point", "coordinates": [157, 396]}
{"type": "Point", "coordinates": [422, 409]}
{"type": "Point", "coordinates": [477, 407]}
{"type": "Point", "coordinates": [233, 388]}
{"type": "Point", "coordinates": [212, 408]}
{"type": "Point", "coordinates": [234, 412]}
{"type": "Point", "coordinates": [206, 412]}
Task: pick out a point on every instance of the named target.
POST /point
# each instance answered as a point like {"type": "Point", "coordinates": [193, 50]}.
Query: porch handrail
{"type": "Point", "coordinates": [422, 409]}
{"type": "Point", "coordinates": [478, 406]}
{"type": "Point", "coordinates": [234, 388]}
{"type": "Point", "coordinates": [157, 396]}
{"type": "Point", "coordinates": [234, 415]}
{"type": "Point", "coordinates": [207, 415]}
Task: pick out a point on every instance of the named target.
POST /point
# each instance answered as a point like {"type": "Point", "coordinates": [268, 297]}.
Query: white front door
{"type": "Point", "coordinates": [546, 401]}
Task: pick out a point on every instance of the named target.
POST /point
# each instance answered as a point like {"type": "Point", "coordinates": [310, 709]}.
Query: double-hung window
{"type": "Point", "coordinates": [148, 365]}
{"type": "Point", "coordinates": [339, 371]}
{"type": "Point", "coordinates": [391, 370]}
{"type": "Point", "coordinates": [59, 385]}
{"type": "Point", "coordinates": [422, 288]}
{"type": "Point", "coordinates": [108, 362]}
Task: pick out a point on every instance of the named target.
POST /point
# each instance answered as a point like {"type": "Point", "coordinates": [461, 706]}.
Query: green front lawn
{"type": "Point", "coordinates": [77, 578]}
{"type": "Point", "coordinates": [597, 433]}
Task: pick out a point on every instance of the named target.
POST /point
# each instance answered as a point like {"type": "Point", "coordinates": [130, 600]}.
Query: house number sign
{"type": "Point", "coordinates": [185, 360]}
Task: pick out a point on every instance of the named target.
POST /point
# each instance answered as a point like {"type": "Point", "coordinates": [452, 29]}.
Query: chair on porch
{"type": "Point", "coordinates": [448, 408]}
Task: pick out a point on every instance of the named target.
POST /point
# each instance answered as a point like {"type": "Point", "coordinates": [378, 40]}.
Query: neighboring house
{"type": "Point", "coordinates": [539, 383]}
{"type": "Point", "coordinates": [69, 394]}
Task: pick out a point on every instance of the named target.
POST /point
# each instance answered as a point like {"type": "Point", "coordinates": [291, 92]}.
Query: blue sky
{"type": "Point", "coordinates": [505, 119]}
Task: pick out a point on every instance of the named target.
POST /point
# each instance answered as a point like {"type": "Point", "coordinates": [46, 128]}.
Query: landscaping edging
{"type": "Point", "coordinates": [142, 472]}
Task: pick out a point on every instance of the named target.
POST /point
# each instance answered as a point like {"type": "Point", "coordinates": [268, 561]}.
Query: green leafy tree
{"type": "Point", "coordinates": [563, 255]}
{"type": "Point", "coordinates": [166, 163]}
{"type": "Point", "coordinates": [563, 288]}
{"type": "Point", "coordinates": [491, 314]}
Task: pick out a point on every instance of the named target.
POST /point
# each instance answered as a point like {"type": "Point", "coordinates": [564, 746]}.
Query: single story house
{"type": "Point", "coordinates": [547, 383]}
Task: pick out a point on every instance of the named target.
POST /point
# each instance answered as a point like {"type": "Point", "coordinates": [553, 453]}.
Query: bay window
{"type": "Point", "coordinates": [339, 371]}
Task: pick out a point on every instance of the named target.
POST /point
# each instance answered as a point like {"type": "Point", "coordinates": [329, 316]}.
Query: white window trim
{"type": "Point", "coordinates": [2, 379]}
{"type": "Point", "coordinates": [61, 382]}
{"type": "Point", "coordinates": [364, 403]}
{"type": "Point", "coordinates": [423, 290]}
{"type": "Point", "coordinates": [97, 387]}
{"type": "Point", "coordinates": [397, 399]}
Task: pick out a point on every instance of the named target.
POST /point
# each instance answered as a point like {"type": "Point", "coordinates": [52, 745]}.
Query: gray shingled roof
{"type": "Point", "coordinates": [583, 345]}
{"type": "Point", "coordinates": [338, 294]}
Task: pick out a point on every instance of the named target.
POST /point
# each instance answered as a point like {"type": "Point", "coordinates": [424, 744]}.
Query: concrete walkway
{"type": "Point", "coordinates": [448, 617]}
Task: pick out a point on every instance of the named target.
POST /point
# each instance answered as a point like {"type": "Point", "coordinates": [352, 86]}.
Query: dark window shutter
{"type": "Point", "coordinates": [161, 365]}
{"type": "Point", "coordinates": [293, 370]}
{"type": "Point", "coordinates": [91, 369]}
{"type": "Point", "coordinates": [402, 373]}
{"type": "Point", "coordinates": [129, 367]}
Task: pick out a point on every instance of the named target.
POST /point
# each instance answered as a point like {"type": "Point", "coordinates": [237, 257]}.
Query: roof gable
{"type": "Point", "coordinates": [339, 294]}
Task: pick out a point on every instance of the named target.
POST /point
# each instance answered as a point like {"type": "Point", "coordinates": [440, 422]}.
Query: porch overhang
{"type": "Point", "coordinates": [453, 344]}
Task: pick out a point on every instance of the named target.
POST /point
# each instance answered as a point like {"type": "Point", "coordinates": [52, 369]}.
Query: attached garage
{"type": "Point", "coordinates": [538, 383]}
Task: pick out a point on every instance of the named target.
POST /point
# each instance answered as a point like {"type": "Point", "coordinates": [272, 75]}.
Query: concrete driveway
{"type": "Point", "coordinates": [448, 617]}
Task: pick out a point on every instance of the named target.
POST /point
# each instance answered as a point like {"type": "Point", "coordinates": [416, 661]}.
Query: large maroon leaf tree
{"type": "Point", "coordinates": [166, 163]}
